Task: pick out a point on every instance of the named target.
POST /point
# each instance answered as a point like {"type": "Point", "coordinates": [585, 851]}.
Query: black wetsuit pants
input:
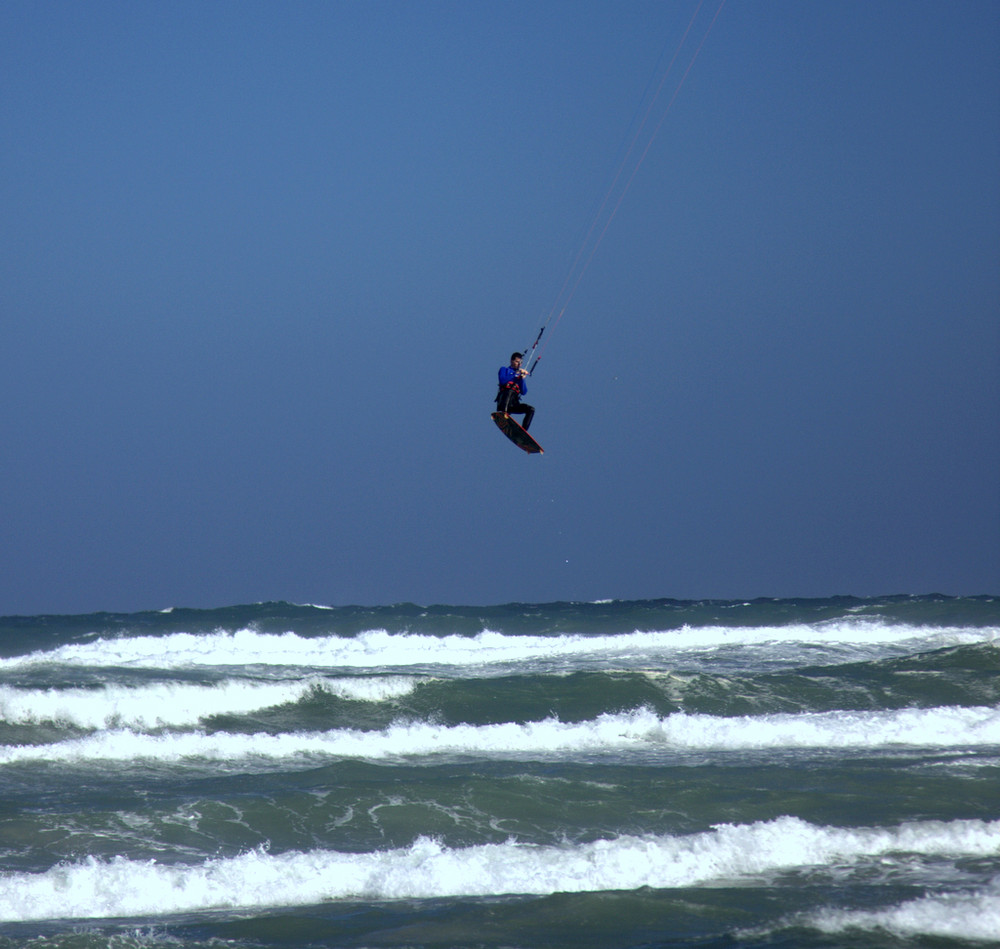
{"type": "Point", "coordinates": [510, 402]}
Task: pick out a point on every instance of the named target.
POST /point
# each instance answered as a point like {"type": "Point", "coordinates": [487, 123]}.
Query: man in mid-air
{"type": "Point", "coordinates": [512, 387]}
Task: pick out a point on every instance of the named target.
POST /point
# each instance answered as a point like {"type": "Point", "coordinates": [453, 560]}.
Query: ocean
{"type": "Point", "coordinates": [780, 773]}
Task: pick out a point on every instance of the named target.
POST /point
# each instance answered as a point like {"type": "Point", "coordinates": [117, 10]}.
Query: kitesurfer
{"type": "Point", "coordinates": [512, 387]}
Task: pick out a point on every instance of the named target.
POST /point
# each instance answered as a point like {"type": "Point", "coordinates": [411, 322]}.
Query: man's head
{"type": "Point", "coordinates": [515, 360]}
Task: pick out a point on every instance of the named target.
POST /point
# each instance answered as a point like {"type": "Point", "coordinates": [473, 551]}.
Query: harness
{"type": "Point", "coordinates": [508, 394]}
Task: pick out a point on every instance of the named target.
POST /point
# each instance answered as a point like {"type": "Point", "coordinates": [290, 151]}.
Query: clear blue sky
{"type": "Point", "coordinates": [260, 263]}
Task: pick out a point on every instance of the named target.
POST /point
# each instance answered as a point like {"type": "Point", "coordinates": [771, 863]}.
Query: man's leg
{"type": "Point", "coordinates": [522, 408]}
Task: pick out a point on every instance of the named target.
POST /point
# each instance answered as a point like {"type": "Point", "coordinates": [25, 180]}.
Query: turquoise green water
{"type": "Point", "coordinates": [657, 773]}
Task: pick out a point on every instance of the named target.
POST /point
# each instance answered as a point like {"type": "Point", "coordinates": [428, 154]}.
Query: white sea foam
{"type": "Point", "coordinates": [381, 650]}
{"type": "Point", "coordinates": [178, 703]}
{"type": "Point", "coordinates": [966, 916]}
{"type": "Point", "coordinates": [427, 869]}
{"type": "Point", "coordinates": [621, 734]}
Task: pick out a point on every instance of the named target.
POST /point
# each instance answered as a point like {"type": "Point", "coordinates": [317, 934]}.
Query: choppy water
{"type": "Point", "coordinates": [658, 773]}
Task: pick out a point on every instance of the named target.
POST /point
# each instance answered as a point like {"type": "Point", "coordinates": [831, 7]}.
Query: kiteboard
{"type": "Point", "coordinates": [516, 434]}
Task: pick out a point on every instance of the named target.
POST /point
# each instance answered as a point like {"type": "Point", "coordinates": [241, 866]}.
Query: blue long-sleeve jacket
{"type": "Point", "coordinates": [507, 375]}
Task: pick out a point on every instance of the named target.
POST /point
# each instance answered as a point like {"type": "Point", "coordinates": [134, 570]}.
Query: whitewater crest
{"type": "Point", "coordinates": [618, 735]}
{"type": "Point", "coordinates": [180, 703]}
{"type": "Point", "coordinates": [428, 869]}
{"type": "Point", "coordinates": [382, 650]}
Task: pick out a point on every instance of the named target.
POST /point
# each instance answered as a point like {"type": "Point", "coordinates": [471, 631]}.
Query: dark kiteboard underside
{"type": "Point", "coordinates": [516, 434]}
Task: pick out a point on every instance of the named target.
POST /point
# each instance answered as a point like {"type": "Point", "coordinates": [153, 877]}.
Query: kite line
{"type": "Point", "coordinates": [635, 155]}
